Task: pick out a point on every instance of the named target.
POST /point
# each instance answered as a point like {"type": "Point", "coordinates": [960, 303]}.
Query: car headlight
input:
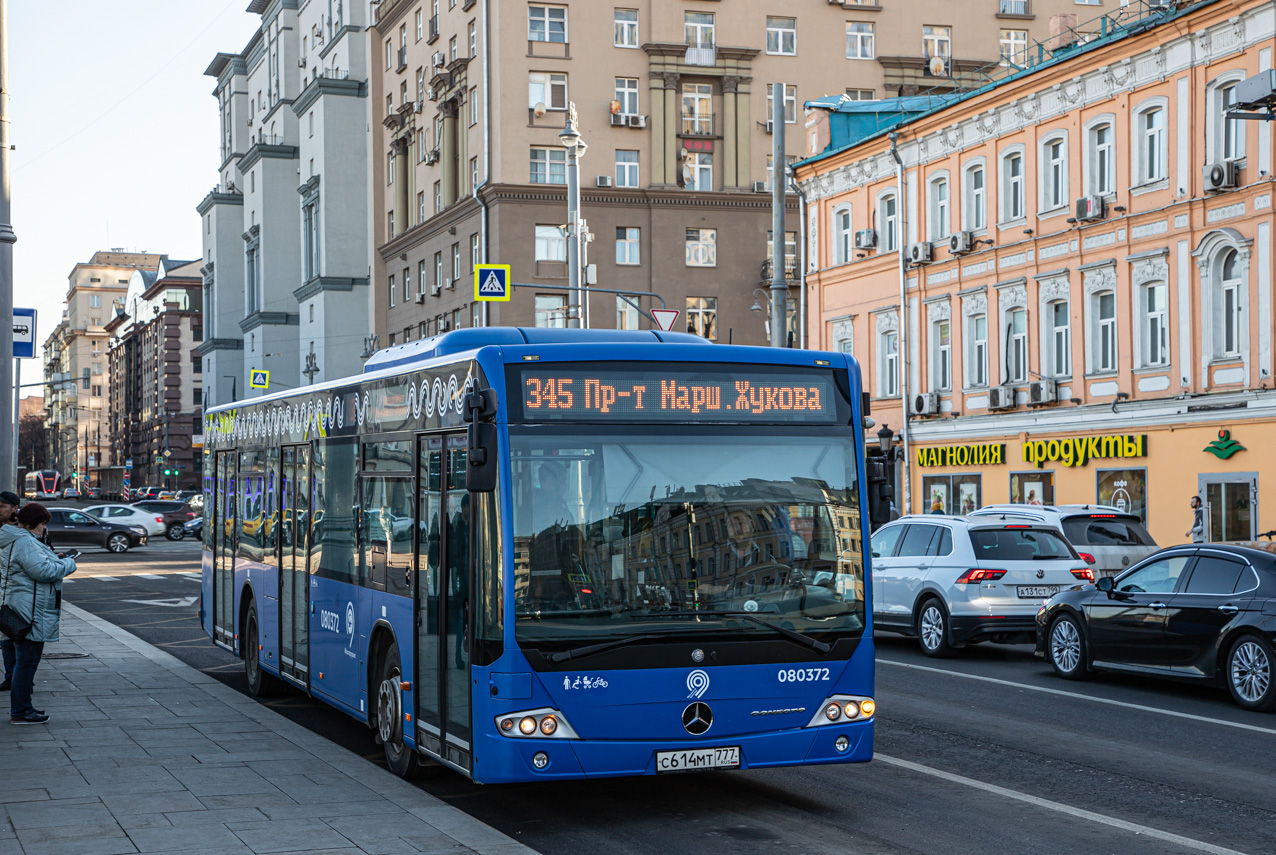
{"type": "Point", "coordinates": [545, 723]}
{"type": "Point", "coordinates": [137, 529]}
{"type": "Point", "coordinates": [839, 709]}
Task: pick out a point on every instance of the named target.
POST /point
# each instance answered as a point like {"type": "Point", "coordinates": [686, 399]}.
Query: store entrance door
{"type": "Point", "coordinates": [1231, 506]}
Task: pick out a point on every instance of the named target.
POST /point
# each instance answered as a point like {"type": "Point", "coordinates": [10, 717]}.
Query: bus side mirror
{"type": "Point", "coordinates": [880, 491]}
{"type": "Point", "coordinates": [481, 477]}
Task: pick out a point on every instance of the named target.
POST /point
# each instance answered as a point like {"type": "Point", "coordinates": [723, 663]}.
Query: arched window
{"type": "Point", "coordinates": [1053, 172]}
{"type": "Point", "coordinates": [1149, 142]}
{"type": "Point", "coordinates": [1225, 137]}
{"type": "Point", "coordinates": [940, 219]}
{"type": "Point", "coordinates": [842, 235]}
{"type": "Point", "coordinates": [1014, 204]}
{"type": "Point", "coordinates": [1230, 298]}
{"type": "Point", "coordinates": [1100, 162]}
{"type": "Point", "coordinates": [975, 200]}
{"type": "Point", "coordinates": [887, 222]}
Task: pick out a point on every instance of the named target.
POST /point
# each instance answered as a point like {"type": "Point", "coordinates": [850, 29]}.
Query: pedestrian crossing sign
{"type": "Point", "coordinates": [492, 282]}
{"type": "Point", "coordinates": [259, 378]}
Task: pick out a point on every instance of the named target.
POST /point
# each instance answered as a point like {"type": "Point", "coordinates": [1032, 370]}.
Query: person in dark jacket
{"type": "Point", "coordinates": [9, 503]}
{"type": "Point", "coordinates": [31, 577]}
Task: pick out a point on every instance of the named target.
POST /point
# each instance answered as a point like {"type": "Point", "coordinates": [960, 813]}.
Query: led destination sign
{"type": "Point", "coordinates": [746, 394]}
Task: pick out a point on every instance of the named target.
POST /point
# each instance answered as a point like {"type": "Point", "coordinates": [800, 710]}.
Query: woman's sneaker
{"type": "Point", "coordinates": [29, 718]}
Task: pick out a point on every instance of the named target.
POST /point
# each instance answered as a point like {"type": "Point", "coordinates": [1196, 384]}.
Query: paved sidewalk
{"type": "Point", "coordinates": [146, 754]}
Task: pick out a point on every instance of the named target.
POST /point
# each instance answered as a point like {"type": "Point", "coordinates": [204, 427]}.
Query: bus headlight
{"type": "Point", "coordinates": [544, 723]}
{"type": "Point", "coordinates": [842, 709]}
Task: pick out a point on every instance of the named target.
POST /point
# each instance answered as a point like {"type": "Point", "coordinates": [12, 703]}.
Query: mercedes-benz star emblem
{"type": "Point", "coordinates": [697, 718]}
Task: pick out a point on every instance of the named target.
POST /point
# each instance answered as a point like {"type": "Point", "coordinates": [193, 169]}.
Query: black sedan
{"type": "Point", "coordinates": [75, 529]}
{"type": "Point", "coordinates": [1191, 612]}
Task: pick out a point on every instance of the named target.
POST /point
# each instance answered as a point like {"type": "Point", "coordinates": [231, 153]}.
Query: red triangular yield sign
{"type": "Point", "coordinates": [665, 318]}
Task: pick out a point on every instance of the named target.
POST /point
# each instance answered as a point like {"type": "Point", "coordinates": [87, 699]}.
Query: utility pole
{"type": "Point", "coordinates": [8, 472]}
{"type": "Point", "coordinates": [569, 136]}
{"type": "Point", "coordinates": [779, 287]}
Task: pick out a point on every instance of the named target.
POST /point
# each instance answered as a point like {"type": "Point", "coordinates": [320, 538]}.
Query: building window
{"type": "Point", "coordinates": [702, 248]}
{"type": "Point", "coordinates": [95, 301]}
{"type": "Point", "coordinates": [474, 106]}
{"type": "Point", "coordinates": [699, 171]}
{"type": "Point", "coordinates": [1156, 341]}
{"type": "Point", "coordinates": [551, 311]}
{"type": "Point", "coordinates": [1013, 203]}
{"type": "Point", "coordinates": [1017, 346]}
{"type": "Point", "coordinates": [977, 327]}
{"type": "Point", "coordinates": [697, 108]}
{"type": "Point", "coordinates": [1060, 339]}
{"type": "Point", "coordinates": [942, 365]}
{"type": "Point", "coordinates": [474, 173]}
{"type": "Point", "coordinates": [861, 94]}
{"type": "Point", "coordinates": [1230, 296]}
{"type": "Point", "coordinates": [474, 250]}
{"type": "Point", "coordinates": [1054, 173]}
{"type": "Point", "coordinates": [626, 168]}
{"type": "Point", "coordinates": [937, 41]}
{"type": "Point", "coordinates": [628, 245]}
{"type": "Point", "coordinates": [626, 313]}
{"type": "Point", "coordinates": [889, 364]}
{"type": "Point", "coordinates": [790, 252]}
{"type": "Point", "coordinates": [420, 276]}
{"type": "Point", "coordinates": [394, 291]}
{"type": "Point", "coordinates": [1105, 341]}
{"type": "Point", "coordinates": [1150, 152]}
{"type": "Point", "coordinates": [1100, 162]}
{"type": "Point", "coordinates": [702, 317]}
{"type": "Point", "coordinates": [781, 36]}
{"type": "Point", "coordinates": [842, 236]}
{"type": "Point", "coordinates": [790, 104]}
{"type": "Point", "coordinates": [420, 207]}
{"type": "Point", "coordinates": [407, 285]}
{"type": "Point", "coordinates": [625, 31]}
{"type": "Point", "coordinates": [420, 24]}
{"type": "Point", "coordinates": [452, 52]}
{"type": "Point", "coordinates": [1226, 136]}
{"type": "Point", "coordinates": [438, 270]}
{"type": "Point", "coordinates": [551, 244]}
{"type": "Point", "coordinates": [473, 32]}
{"type": "Point", "coordinates": [1014, 47]}
{"type": "Point", "coordinates": [310, 239]}
{"type": "Point", "coordinates": [456, 263]}
{"type": "Point", "coordinates": [975, 207]}
{"type": "Point", "coordinates": [627, 95]}
{"type": "Point", "coordinates": [859, 40]}
{"type": "Point", "coordinates": [888, 218]}
{"type": "Point", "coordinates": [939, 222]}
{"type": "Point", "coordinates": [698, 29]}
{"type": "Point", "coordinates": [548, 89]}
{"type": "Point", "coordinates": [438, 196]}
{"type": "Point", "coordinates": [549, 165]}
{"type": "Point", "coordinates": [547, 24]}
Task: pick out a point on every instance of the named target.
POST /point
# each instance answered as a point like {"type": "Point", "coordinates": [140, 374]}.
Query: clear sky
{"type": "Point", "coordinates": [115, 132]}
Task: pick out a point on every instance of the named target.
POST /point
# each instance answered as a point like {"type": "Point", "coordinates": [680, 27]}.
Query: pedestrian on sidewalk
{"type": "Point", "coordinates": [31, 577]}
{"type": "Point", "coordinates": [1198, 521]}
{"type": "Point", "coordinates": [9, 503]}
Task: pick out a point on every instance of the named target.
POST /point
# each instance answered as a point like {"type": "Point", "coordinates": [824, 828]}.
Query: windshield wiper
{"type": "Point", "coordinates": [578, 652]}
{"type": "Point", "coordinates": [814, 644]}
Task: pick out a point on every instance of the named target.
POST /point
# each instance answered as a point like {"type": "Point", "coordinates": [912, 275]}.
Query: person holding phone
{"type": "Point", "coordinates": [31, 577]}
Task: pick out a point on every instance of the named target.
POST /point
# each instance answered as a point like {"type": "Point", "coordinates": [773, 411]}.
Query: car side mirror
{"type": "Point", "coordinates": [1105, 584]}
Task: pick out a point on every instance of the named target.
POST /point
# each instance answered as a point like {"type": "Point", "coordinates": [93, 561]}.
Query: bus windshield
{"type": "Point", "coordinates": [621, 532]}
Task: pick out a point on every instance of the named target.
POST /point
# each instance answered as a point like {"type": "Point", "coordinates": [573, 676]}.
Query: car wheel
{"type": "Point", "coordinates": [117, 543]}
{"type": "Point", "coordinates": [260, 684]}
{"type": "Point", "coordinates": [1067, 649]}
{"type": "Point", "coordinates": [932, 629]}
{"type": "Point", "coordinates": [1250, 664]}
{"type": "Point", "coordinates": [402, 760]}
{"type": "Point", "coordinates": [175, 532]}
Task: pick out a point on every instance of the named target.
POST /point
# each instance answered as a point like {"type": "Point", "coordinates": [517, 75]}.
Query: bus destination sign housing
{"type": "Point", "coordinates": [628, 394]}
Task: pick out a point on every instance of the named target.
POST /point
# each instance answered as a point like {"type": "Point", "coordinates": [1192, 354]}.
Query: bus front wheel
{"type": "Point", "coordinates": [401, 759]}
{"type": "Point", "coordinates": [260, 684]}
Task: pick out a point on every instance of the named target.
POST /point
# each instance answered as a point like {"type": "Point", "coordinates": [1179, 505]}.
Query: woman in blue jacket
{"type": "Point", "coordinates": [31, 577]}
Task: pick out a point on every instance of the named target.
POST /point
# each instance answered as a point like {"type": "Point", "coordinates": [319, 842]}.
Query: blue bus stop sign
{"type": "Point", "coordinates": [24, 333]}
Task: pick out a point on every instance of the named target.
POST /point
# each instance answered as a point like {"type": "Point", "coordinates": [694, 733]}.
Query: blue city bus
{"type": "Point", "coordinates": [535, 554]}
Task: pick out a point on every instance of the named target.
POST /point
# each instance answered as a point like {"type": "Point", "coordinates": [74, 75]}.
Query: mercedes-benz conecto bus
{"type": "Point", "coordinates": [546, 554]}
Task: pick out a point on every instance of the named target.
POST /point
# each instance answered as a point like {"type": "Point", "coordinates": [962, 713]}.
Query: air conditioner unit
{"type": "Point", "coordinates": [301, 63]}
{"type": "Point", "coordinates": [866, 239]}
{"type": "Point", "coordinates": [438, 59]}
{"type": "Point", "coordinates": [961, 243]}
{"type": "Point", "coordinates": [450, 283]}
{"type": "Point", "coordinates": [417, 106]}
{"type": "Point", "coordinates": [420, 297]}
{"type": "Point", "coordinates": [1090, 208]}
{"type": "Point", "coordinates": [769, 125]}
{"type": "Point", "coordinates": [603, 180]}
{"type": "Point", "coordinates": [432, 94]}
{"type": "Point", "coordinates": [760, 187]}
{"type": "Point", "coordinates": [1043, 392]}
{"type": "Point", "coordinates": [435, 289]}
{"type": "Point", "coordinates": [1001, 398]}
{"type": "Point", "coordinates": [432, 156]}
{"type": "Point", "coordinates": [926, 404]}
{"type": "Point", "coordinates": [919, 253]}
{"type": "Point", "coordinates": [1223, 175]}
{"type": "Point", "coordinates": [637, 121]}
{"type": "Point", "coordinates": [619, 120]}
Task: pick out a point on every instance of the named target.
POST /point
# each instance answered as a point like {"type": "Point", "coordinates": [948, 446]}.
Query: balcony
{"type": "Point", "coordinates": [1013, 9]}
{"type": "Point", "coordinates": [697, 125]}
{"type": "Point", "coordinates": [701, 54]}
{"type": "Point", "coordinates": [434, 30]}
{"type": "Point", "coordinates": [402, 63]}
{"type": "Point", "coordinates": [790, 269]}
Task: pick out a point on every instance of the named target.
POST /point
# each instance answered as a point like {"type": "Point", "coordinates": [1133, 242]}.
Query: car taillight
{"type": "Point", "coordinates": [1089, 559]}
{"type": "Point", "coordinates": [1085, 574]}
{"type": "Point", "coordinates": [975, 576]}
{"type": "Point", "coordinates": [159, 519]}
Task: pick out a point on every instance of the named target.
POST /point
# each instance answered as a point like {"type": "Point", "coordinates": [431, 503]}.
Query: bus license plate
{"type": "Point", "coordinates": [702, 758]}
{"type": "Point", "coordinates": [1037, 592]}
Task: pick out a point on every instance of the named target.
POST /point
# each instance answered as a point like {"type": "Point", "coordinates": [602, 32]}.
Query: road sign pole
{"type": "Point", "coordinates": [8, 471]}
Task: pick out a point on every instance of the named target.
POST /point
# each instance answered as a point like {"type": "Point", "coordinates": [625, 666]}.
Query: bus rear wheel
{"type": "Point", "coordinates": [402, 760]}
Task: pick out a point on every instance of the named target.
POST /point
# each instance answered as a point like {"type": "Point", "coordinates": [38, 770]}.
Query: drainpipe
{"type": "Point", "coordinates": [487, 150]}
{"type": "Point", "coordinates": [801, 259]}
{"type": "Point", "coordinates": [904, 366]}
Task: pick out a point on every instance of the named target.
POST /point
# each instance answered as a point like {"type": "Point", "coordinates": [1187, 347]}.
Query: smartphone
{"type": "Point", "coordinates": [73, 554]}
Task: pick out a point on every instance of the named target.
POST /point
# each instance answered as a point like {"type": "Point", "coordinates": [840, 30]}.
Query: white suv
{"type": "Point", "coordinates": [1110, 539]}
{"type": "Point", "coordinates": [953, 581]}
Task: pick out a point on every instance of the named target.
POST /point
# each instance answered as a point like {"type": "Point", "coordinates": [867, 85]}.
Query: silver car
{"type": "Point", "coordinates": [1109, 539]}
{"type": "Point", "coordinates": [953, 581]}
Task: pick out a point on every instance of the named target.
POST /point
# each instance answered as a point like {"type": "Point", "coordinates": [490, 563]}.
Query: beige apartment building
{"type": "Point", "coordinates": [75, 363]}
{"type": "Point", "coordinates": [673, 103]}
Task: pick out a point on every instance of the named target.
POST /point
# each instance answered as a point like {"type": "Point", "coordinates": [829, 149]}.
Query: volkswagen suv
{"type": "Point", "coordinates": [1109, 539]}
{"type": "Point", "coordinates": [953, 581]}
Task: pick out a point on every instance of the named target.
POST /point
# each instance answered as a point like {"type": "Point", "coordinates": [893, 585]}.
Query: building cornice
{"type": "Point", "coordinates": [209, 345]}
{"type": "Point", "coordinates": [269, 319]}
{"type": "Point", "coordinates": [216, 197]}
{"type": "Point", "coordinates": [320, 86]}
{"type": "Point", "coordinates": [319, 284]}
{"type": "Point", "coordinates": [331, 43]}
{"type": "Point", "coordinates": [261, 151]}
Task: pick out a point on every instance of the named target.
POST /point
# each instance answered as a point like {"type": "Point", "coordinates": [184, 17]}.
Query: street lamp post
{"type": "Point", "coordinates": [569, 136]}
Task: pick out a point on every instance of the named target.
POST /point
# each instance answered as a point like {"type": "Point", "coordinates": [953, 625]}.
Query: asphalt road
{"type": "Point", "coordinates": [987, 752]}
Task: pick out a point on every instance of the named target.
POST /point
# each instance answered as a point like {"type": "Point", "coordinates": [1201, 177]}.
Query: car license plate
{"type": "Point", "coordinates": [700, 758]}
{"type": "Point", "coordinates": [1034, 592]}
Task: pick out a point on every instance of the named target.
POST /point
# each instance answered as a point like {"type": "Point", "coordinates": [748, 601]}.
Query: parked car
{"type": "Point", "coordinates": [195, 528]}
{"type": "Point", "coordinates": [1110, 539]}
{"type": "Point", "coordinates": [92, 493]}
{"type": "Point", "coordinates": [956, 580]}
{"type": "Point", "coordinates": [70, 494]}
{"type": "Point", "coordinates": [1190, 612]}
{"type": "Point", "coordinates": [176, 514]}
{"type": "Point", "coordinates": [74, 528]}
{"type": "Point", "coordinates": [151, 521]}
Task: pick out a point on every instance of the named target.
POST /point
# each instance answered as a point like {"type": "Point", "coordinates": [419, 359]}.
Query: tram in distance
{"type": "Point", "coordinates": [534, 554]}
{"type": "Point", "coordinates": [42, 484]}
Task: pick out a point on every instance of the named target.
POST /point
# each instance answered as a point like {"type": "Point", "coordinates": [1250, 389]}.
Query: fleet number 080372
{"type": "Point", "coordinates": [803, 675]}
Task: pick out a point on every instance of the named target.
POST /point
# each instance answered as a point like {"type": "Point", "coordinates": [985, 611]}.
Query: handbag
{"type": "Point", "coordinates": [13, 624]}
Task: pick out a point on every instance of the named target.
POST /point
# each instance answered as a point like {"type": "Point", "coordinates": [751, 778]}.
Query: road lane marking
{"type": "Point", "coordinates": [172, 603]}
{"type": "Point", "coordinates": [1084, 697]}
{"type": "Point", "coordinates": [147, 576]}
{"type": "Point", "coordinates": [1059, 807]}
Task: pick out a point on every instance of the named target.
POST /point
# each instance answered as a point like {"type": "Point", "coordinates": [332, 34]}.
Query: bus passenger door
{"type": "Point", "coordinates": [443, 599]}
{"type": "Point", "coordinates": [223, 523]}
{"type": "Point", "coordinates": [294, 587]}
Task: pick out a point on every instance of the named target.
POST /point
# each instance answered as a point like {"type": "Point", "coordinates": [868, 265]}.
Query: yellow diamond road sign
{"type": "Point", "coordinates": [492, 282]}
{"type": "Point", "coordinates": [259, 378]}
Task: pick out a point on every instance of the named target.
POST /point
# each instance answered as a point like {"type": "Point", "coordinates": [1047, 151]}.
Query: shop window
{"type": "Point", "coordinates": [1125, 489]}
{"type": "Point", "coordinates": [953, 494]}
{"type": "Point", "coordinates": [1032, 488]}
